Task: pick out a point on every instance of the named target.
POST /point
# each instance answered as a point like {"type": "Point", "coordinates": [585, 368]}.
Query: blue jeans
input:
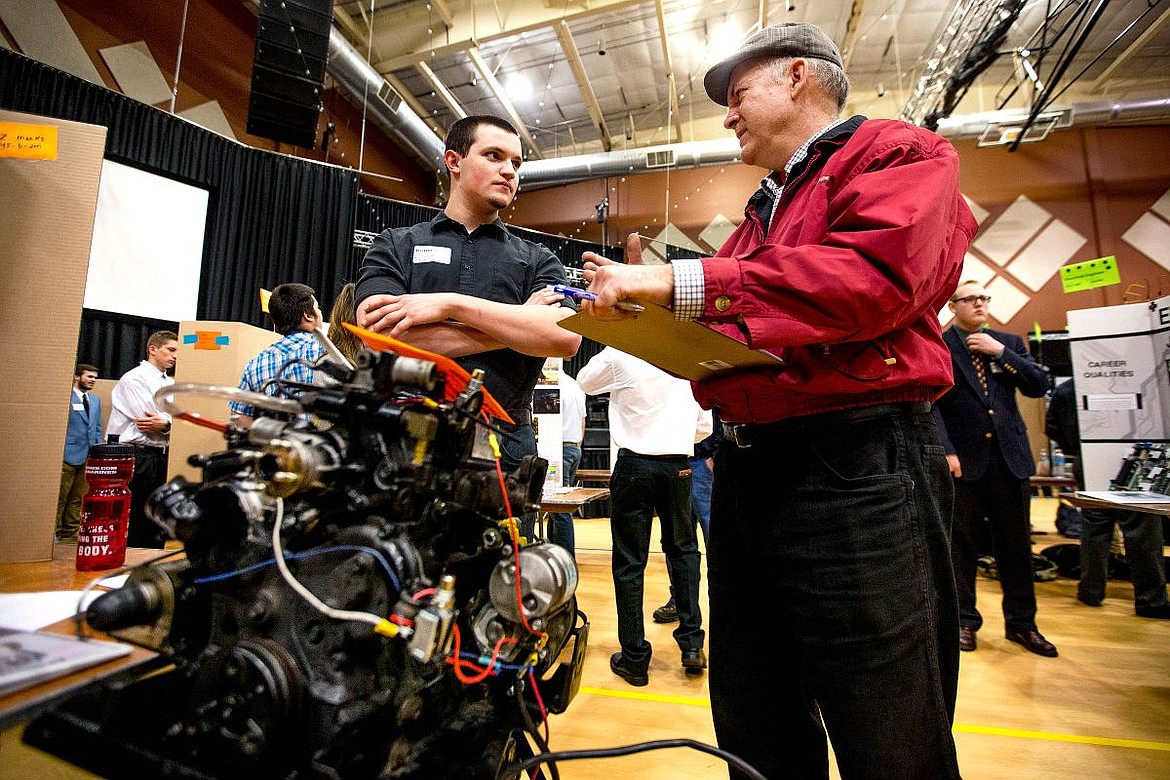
{"type": "Point", "coordinates": [833, 600]}
{"type": "Point", "coordinates": [701, 478]}
{"type": "Point", "coordinates": [640, 487]}
{"type": "Point", "coordinates": [1143, 552]}
{"type": "Point", "coordinates": [560, 524]}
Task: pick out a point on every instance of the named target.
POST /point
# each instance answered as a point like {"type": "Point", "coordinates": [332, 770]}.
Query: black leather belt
{"type": "Point", "coordinates": [149, 448]}
{"type": "Point", "coordinates": [671, 458]}
{"type": "Point", "coordinates": [744, 435]}
{"type": "Point", "coordinates": [521, 416]}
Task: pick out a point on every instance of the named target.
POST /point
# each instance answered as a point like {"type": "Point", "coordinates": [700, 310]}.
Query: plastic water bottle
{"type": "Point", "coordinates": [105, 509]}
{"type": "Point", "coordinates": [1043, 466]}
{"type": "Point", "coordinates": [1057, 462]}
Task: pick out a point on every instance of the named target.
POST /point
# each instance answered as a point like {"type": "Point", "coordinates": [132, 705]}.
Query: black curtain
{"type": "Point", "coordinates": [271, 218]}
{"type": "Point", "coordinates": [115, 342]}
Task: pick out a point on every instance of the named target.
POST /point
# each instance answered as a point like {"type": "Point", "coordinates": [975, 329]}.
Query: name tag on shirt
{"type": "Point", "coordinates": [79, 407]}
{"type": "Point", "coordinates": [432, 254]}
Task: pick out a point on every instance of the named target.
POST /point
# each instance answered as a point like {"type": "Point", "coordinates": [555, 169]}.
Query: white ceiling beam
{"type": "Point", "coordinates": [498, 90]}
{"type": "Point", "coordinates": [346, 22]}
{"type": "Point", "coordinates": [415, 106]}
{"type": "Point", "coordinates": [441, 90]}
{"type": "Point", "coordinates": [763, 14]}
{"type": "Point", "coordinates": [852, 30]}
{"type": "Point", "coordinates": [398, 26]}
{"type": "Point", "coordinates": [444, 12]}
{"type": "Point", "coordinates": [664, 39]}
{"type": "Point", "coordinates": [1139, 43]}
{"type": "Point", "coordinates": [569, 47]}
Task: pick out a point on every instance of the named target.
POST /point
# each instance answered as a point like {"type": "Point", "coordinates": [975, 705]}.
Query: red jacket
{"type": "Point", "coordinates": [863, 251]}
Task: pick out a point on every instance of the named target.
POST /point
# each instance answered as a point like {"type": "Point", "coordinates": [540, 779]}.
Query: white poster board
{"type": "Point", "coordinates": [546, 417]}
{"type": "Point", "coordinates": [1120, 359]}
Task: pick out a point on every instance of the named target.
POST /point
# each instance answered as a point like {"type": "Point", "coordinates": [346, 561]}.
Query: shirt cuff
{"type": "Point", "coordinates": [689, 289]}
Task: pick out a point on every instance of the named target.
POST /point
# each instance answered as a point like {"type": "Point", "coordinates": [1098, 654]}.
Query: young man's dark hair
{"type": "Point", "coordinates": [462, 134]}
{"type": "Point", "coordinates": [288, 305]}
{"type": "Point", "coordinates": [81, 368]}
{"type": "Point", "coordinates": [160, 337]}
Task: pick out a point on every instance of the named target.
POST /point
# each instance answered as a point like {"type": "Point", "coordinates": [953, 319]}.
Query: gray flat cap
{"type": "Point", "coordinates": [791, 39]}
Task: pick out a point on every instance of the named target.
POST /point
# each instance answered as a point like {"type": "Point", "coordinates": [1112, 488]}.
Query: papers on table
{"type": "Point", "coordinates": [30, 657]}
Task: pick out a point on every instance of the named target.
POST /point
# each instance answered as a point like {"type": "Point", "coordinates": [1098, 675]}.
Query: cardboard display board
{"type": "Point", "coordinates": [49, 174]}
{"type": "Point", "coordinates": [210, 353]}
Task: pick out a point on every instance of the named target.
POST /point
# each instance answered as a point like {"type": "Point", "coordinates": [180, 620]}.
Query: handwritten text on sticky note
{"type": "Point", "coordinates": [28, 142]}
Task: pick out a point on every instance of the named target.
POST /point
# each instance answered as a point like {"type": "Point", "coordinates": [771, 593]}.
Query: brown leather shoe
{"type": "Point", "coordinates": [967, 641]}
{"type": "Point", "coordinates": [1033, 641]}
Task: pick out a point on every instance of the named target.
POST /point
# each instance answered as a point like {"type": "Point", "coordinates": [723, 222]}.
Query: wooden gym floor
{"type": "Point", "coordinates": [1101, 711]}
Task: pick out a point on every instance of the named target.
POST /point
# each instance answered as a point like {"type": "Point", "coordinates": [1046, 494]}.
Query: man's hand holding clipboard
{"type": "Point", "coordinates": [687, 349]}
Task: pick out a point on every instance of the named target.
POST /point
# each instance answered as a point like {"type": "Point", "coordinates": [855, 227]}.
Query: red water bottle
{"type": "Point", "coordinates": [105, 510]}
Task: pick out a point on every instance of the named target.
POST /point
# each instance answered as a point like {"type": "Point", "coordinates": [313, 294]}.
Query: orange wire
{"type": "Point", "coordinates": [515, 549]}
{"type": "Point", "coordinates": [456, 661]}
{"type": "Point", "coordinates": [196, 419]}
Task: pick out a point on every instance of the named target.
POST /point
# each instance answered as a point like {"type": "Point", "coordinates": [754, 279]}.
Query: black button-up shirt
{"type": "Point", "coordinates": [490, 263]}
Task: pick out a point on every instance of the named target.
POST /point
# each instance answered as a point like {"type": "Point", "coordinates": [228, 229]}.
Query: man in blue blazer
{"type": "Point", "coordinates": [990, 459]}
{"type": "Point", "coordinates": [84, 429]}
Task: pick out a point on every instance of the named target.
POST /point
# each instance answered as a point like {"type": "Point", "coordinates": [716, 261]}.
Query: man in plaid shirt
{"type": "Point", "coordinates": [295, 313]}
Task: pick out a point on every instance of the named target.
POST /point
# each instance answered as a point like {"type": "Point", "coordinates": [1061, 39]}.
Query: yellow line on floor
{"type": "Point", "coordinates": [692, 700]}
{"type": "Point", "coordinates": [1044, 735]}
{"type": "Point", "coordinates": [1136, 744]}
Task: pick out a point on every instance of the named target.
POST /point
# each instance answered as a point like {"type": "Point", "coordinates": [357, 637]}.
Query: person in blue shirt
{"type": "Point", "coordinates": [295, 314]}
{"type": "Point", "coordinates": [84, 429]}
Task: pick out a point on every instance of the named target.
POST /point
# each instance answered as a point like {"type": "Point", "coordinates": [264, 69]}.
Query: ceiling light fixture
{"type": "Point", "coordinates": [518, 87]}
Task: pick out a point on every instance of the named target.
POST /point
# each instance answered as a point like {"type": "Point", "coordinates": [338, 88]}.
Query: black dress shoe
{"type": "Point", "coordinates": [967, 641]}
{"type": "Point", "coordinates": [1157, 611]}
{"type": "Point", "coordinates": [1088, 602]}
{"type": "Point", "coordinates": [630, 672]}
{"type": "Point", "coordinates": [694, 661]}
{"type": "Point", "coordinates": [667, 613]}
{"type": "Point", "coordinates": [1033, 641]}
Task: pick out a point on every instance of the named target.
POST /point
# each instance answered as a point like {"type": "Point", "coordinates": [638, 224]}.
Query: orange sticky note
{"type": "Point", "coordinates": [28, 142]}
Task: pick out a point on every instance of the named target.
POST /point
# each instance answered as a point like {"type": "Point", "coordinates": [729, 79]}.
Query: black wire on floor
{"type": "Point", "coordinates": [642, 747]}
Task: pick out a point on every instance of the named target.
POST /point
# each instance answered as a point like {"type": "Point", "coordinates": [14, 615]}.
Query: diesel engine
{"type": "Point", "coordinates": [353, 599]}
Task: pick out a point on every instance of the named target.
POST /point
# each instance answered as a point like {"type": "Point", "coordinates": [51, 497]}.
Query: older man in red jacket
{"type": "Point", "coordinates": [832, 498]}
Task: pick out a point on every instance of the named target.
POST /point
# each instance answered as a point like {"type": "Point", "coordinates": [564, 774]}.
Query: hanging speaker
{"type": "Point", "coordinates": [288, 70]}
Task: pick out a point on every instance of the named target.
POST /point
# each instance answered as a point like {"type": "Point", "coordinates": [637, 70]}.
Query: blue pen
{"type": "Point", "coordinates": [574, 292]}
{"type": "Point", "coordinates": [588, 295]}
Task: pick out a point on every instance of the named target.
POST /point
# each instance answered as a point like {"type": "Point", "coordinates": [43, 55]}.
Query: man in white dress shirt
{"type": "Point", "coordinates": [655, 421]}
{"type": "Point", "coordinates": [136, 419]}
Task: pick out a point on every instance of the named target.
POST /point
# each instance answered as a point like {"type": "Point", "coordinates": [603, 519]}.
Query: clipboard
{"type": "Point", "coordinates": [687, 349]}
